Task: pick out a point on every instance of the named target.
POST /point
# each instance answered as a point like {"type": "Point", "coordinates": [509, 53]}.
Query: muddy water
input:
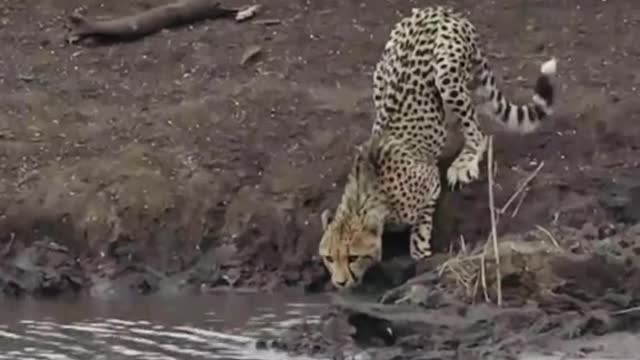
{"type": "Point", "coordinates": [222, 326]}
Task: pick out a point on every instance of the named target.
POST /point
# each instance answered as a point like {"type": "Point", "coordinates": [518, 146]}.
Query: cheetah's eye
{"type": "Point", "coordinates": [329, 259]}
{"type": "Point", "coordinates": [353, 258]}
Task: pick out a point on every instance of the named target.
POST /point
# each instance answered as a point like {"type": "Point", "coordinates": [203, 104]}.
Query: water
{"type": "Point", "coordinates": [223, 326]}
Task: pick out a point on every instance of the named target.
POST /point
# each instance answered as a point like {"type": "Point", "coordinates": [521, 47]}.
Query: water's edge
{"type": "Point", "coordinates": [211, 326]}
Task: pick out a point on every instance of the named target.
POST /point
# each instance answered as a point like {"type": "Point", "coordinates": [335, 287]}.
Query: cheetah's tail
{"type": "Point", "coordinates": [518, 118]}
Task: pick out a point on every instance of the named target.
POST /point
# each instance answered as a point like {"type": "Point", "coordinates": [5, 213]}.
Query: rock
{"type": "Point", "coordinates": [261, 344]}
{"type": "Point", "coordinates": [417, 295]}
{"type": "Point", "coordinates": [250, 53]}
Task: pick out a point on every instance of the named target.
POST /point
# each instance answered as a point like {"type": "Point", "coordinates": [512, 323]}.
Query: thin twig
{"type": "Point", "coordinates": [463, 272]}
{"type": "Point", "coordinates": [9, 246]}
{"type": "Point", "coordinates": [469, 258]}
{"type": "Point", "coordinates": [459, 278]}
{"type": "Point", "coordinates": [548, 233]}
{"type": "Point", "coordinates": [492, 211]}
{"type": "Point", "coordinates": [458, 260]}
{"type": "Point", "coordinates": [495, 169]}
{"type": "Point", "coordinates": [463, 245]}
{"type": "Point", "coordinates": [524, 195]}
{"type": "Point", "coordinates": [475, 290]}
{"type": "Point", "coordinates": [483, 277]}
{"type": "Point", "coordinates": [521, 187]}
{"type": "Point", "coordinates": [626, 311]}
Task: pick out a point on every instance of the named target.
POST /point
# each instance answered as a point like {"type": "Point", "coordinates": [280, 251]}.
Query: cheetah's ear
{"type": "Point", "coordinates": [326, 217]}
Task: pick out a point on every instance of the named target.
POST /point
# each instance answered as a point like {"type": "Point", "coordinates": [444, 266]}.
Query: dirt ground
{"type": "Point", "coordinates": [164, 163]}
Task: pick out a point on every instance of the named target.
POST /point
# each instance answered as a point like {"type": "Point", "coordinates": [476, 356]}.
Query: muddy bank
{"type": "Point", "coordinates": [166, 165]}
{"type": "Point", "coordinates": [556, 294]}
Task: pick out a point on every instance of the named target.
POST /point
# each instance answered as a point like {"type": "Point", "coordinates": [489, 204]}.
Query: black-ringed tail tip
{"type": "Point", "coordinates": [520, 118]}
{"type": "Point", "coordinates": [544, 90]}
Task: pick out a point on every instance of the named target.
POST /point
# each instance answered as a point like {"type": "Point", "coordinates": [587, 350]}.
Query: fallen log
{"type": "Point", "coordinates": [150, 21]}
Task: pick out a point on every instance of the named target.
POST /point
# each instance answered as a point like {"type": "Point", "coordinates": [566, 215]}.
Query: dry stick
{"type": "Point", "coordinates": [519, 204]}
{"type": "Point", "coordinates": [149, 21]}
{"type": "Point", "coordinates": [475, 290]}
{"type": "Point", "coordinates": [626, 311]}
{"type": "Point", "coordinates": [548, 233]}
{"type": "Point", "coordinates": [459, 277]}
{"type": "Point", "coordinates": [9, 246]}
{"type": "Point", "coordinates": [521, 188]}
{"type": "Point", "coordinates": [463, 272]}
{"type": "Point", "coordinates": [463, 244]}
{"type": "Point", "coordinates": [492, 210]}
{"type": "Point", "coordinates": [483, 277]}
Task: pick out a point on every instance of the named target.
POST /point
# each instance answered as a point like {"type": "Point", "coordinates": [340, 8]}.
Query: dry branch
{"type": "Point", "coordinates": [523, 186]}
{"type": "Point", "coordinates": [492, 212]}
{"type": "Point", "coordinates": [519, 204]}
{"type": "Point", "coordinates": [549, 235]}
{"type": "Point", "coordinates": [150, 21]}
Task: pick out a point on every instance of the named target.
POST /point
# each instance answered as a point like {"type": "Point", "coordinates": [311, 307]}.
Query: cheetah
{"type": "Point", "coordinates": [429, 72]}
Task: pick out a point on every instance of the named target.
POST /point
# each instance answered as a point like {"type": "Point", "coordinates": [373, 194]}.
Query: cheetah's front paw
{"type": "Point", "coordinates": [463, 171]}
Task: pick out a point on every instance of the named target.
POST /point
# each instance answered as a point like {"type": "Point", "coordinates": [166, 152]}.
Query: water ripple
{"type": "Point", "coordinates": [114, 338]}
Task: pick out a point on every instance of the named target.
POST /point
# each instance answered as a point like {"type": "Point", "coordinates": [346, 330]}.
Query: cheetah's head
{"type": "Point", "coordinates": [350, 248]}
